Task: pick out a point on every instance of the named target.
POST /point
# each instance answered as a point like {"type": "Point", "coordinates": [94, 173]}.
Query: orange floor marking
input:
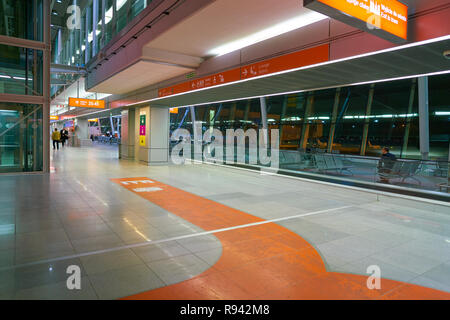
{"type": "Point", "coordinates": [261, 262]}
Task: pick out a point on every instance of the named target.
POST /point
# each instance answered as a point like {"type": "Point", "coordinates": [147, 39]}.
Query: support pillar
{"type": "Point", "coordinates": [367, 121]}
{"type": "Point", "coordinates": [197, 136]}
{"type": "Point", "coordinates": [333, 120]}
{"type": "Point", "coordinates": [127, 140]}
{"type": "Point", "coordinates": [264, 119]}
{"type": "Point", "coordinates": [283, 115]}
{"type": "Point", "coordinates": [412, 94]}
{"type": "Point", "coordinates": [424, 121]}
{"type": "Point", "coordinates": [154, 148]}
{"type": "Point", "coordinates": [305, 127]}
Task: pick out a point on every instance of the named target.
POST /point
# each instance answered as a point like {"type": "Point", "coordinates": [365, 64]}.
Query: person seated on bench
{"type": "Point", "coordinates": [385, 164]}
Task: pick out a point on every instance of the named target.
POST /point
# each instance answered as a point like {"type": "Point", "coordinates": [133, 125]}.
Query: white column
{"type": "Point", "coordinates": [424, 121]}
{"type": "Point", "coordinates": [82, 131]}
{"type": "Point", "coordinates": [127, 134]}
{"type": "Point", "coordinates": [156, 147]}
{"type": "Point", "coordinates": [264, 119]}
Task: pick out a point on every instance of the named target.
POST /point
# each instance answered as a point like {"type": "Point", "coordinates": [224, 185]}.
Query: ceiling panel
{"type": "Point", "coordinates": [141, 74]}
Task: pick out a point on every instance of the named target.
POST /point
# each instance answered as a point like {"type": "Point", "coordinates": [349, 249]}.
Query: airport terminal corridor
{"type": "Point", "coordinates": [203, 231]}
{"type": "Point", "coordinates": [225, 158]}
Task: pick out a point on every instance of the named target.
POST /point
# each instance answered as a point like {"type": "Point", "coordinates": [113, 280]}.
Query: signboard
{"type": "Point", "coordinates": [173, 110]}
{"type": "Point", "coordinates": [142, 130]}
{"type": "Point", "coordinates": [387, 19]}
{"type": "Point", "coordinates": [86, 103]}
{"type": "Point", "coordinates": [93, 120]}
{"type": "Point", "coordinates": [54, 118]}
{"type": "Point", "coordinates": [286, 62]}
{"type": "Point", "coordinates": [205, 82]}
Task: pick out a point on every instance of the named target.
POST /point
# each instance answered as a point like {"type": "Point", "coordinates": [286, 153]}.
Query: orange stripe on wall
{"type": "Point", "coordinates": [286, 62]}
{"type": "Point", "coordinates": [260, 262]}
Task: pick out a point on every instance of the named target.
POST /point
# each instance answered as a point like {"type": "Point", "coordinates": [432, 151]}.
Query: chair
{"type": "Point", "coordinates": [401, 169]}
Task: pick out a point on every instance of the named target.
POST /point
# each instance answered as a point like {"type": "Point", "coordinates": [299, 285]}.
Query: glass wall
{"type": "Point", "coordinates": [21, 19]}
{"type": "Point", "coordinates": [21, 77]}
{"type": "Point", "coordinates": [20, 137]}
{"type": "Point", "coordinates": [20, 70]}
{"type": "Point", "coordinates": [98, 19]}
{"type": "Point", "coordinates": [341, 132]}
{"type": "Point", "coordinates": [439, 96]}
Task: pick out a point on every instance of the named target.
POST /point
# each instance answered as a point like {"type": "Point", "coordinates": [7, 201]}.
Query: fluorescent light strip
{"type": "Point", "coordinates": [303, 20]}
{"type": "Point", "coordinates": [314, 66]}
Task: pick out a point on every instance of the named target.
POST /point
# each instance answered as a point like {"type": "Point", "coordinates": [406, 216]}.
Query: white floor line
{"type": "Point", "coordinates": [146, 243]}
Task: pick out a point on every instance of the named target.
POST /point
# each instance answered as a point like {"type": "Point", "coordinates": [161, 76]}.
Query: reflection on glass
{"type": "Point", "coordinates": [20, 70]}
{"type": "Point", "coordinates": [21, 19]}
{"type": "Point", "coordinates": [20, 137]}
{"type": "Point", "coordinates": [340, 132]}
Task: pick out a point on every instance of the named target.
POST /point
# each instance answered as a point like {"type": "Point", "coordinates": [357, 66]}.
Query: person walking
{"type": "Point", "coordinates": [56, 137]}
{"type": "Point", "coordinates": [64, 135]}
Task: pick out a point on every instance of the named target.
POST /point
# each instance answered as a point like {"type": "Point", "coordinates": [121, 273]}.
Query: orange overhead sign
{"type": "Point", "coordinates": [93, 120]}
{"type": "Point", "coordinates": [173, 110]}
{"type": "Point", "coordinates": [86, 103]}
{"type": "Point", "coordinates": [205, 82]}
{"type": "Point", "coordinates": [385, 18]}
{"type": "Point", "coordinates": [54, 118]}
{"type": "Point", "coordinates": [285, 62]}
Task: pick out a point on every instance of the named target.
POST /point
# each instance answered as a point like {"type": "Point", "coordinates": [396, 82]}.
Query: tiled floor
{"type": "Point", "coordinates": [78, 216]}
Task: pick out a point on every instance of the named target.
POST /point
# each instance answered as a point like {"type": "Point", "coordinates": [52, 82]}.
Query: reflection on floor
{"type": "Point", "coordinates": [78, 216]}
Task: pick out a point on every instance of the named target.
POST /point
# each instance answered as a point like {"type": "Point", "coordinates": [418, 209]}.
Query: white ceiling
{"type": "Point", "coordinates": [219, 23]}
{"type": "Point", "coordinates": [225, 21]}
{"type": "Point", "coordinates": [141, 74]}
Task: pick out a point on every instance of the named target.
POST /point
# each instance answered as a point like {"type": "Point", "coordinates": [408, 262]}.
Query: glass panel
{"type": "Point", "coordinates": [98, 25]}
{"type": "Point", "coordinates": [88, 15]}
{"type": "Point", "coordinates": [122, 13]}
{"type": "Point", "coordinates": [439, 108]}
{"type": "Point", "coordinates": [306, 119]}
{"type": "Point", "coordinates": [389, 117]}
{"type": "Point", "coordinates": [137, 7]}
{"type": "Point", "coordinates": [350, 120]}
{"type": "Point", "coordinates": [20, 70]}
{"type": "Point", "coordinates": [20, 137]}
{"type": "Point", "coordinates": [319, 120]}
{"type": "Point", "coordinates": [21, 19]}
{"type": "Point", "coordinates": [109, 15]}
